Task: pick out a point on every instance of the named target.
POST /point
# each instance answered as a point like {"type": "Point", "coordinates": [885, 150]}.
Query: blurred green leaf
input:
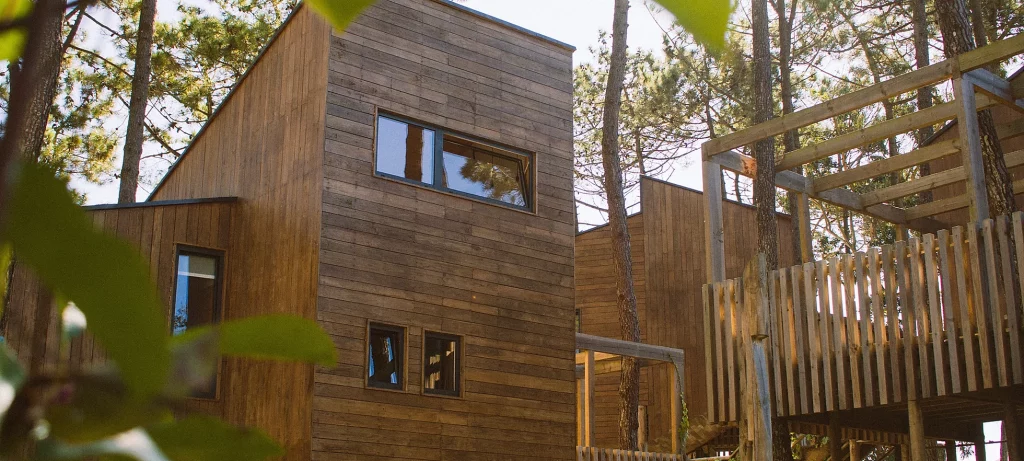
{"type": "Point", "coordinates": [131, 445]}
{"type": "Point", "coordinates": [202, 438]}
{"type": "Point", "coordinates": [193, 363]}
{"type": "Point", "coordinates": [339, 12]}
{"type": "Point", "coordinates": [12, 376]}
{"type": "Point", "coordinates": [707, 20]}
{"type": "Point", "coordinates": [98, 406]}
{"type": "Point", "coordinates": [5, 265]}
{"type": "Point", "coordinates": [105, 277]}
{"type": "Point", "coordinates": [274, 337]}
{"type": "Point", "coordinates": [13, 41]}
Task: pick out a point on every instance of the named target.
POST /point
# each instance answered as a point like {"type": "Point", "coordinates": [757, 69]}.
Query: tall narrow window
{"type": "Point", "coordinates": [384, 357]}
{"type": "Point", "coordinates": [197, 298]}
{"type": "Point", "coordinates": [433, 157]}
{"type": "Point", "coordinates": [441, 364]}
{"type": "Point", "coordinates": [405, 150]}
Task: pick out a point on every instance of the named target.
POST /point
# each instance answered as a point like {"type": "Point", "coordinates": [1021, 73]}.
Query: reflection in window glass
{"type": "Point", "coordinates": [197, 302]}
{"type": "Point", "coordinates": [195, 297]}
{"type": "Point", "coordinates": [385, 357]}
{"type": "Point", "coordinates": [483, 173]}
{"type": "Point", "coordinates": [405, 150]}
{"type": "Point", "coordinates": [441, 364]}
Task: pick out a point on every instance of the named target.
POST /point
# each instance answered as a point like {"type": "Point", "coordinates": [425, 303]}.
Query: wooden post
{"type": "Point", "coordinates": [854, 450]}
{"type": "Point", "coordinates": [917, 445]}
{"type": "Point", "coordinates": [803, 217]}
{"type": "Point", "coordinates": [979, 443]}
{"type": "Point", "coordinates": [970, 141]}
{"type": "Point", "coordinates": [950, 448]}
{"type": "Point", "coordinates": [714, 237]}
{"type": "Point", "coordinates": [588, 400]}
{"type": "Point", "coordinates": [835, 437]}
{"type": "Point", "coordinates": [755, 295]}
{"type": "Point", "coordinates": [1012, 429]}
{"type": "Point", "coordinates": [641, 432]}
{"type": "Point", "coordinates": [678, 391]}
{"type": "Point", "coordinates": [580, 412]}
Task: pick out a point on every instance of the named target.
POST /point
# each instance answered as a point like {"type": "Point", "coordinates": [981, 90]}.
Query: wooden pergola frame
{"type": "Point", "coordinates": [602, 355]}
{"type": "Point", "coordinates": [975, 87]}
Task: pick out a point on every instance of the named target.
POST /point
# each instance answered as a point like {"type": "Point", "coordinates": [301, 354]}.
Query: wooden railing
{"type": "Point", "coordinates": [928, 317]}
{"type": "Point", "coordinates": [609, 454]}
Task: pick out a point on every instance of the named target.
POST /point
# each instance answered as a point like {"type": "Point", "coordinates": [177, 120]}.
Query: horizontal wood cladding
{"type": "Point", "coordinates": [265, 146]}
{"type": "Point", "coordinates": [157, 232]}
{"type": "Point", "coordinates": [394, 253]}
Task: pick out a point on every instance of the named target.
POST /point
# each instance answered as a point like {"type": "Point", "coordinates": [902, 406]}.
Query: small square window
{"type": "Point", "coordinates": [405, 150]}
{"type": "Point", "coordinates": [385, 363]}
{"type": "Point", "coordinates": [197, 299]}
{"type": "Point", "coordinates": [441, 364]}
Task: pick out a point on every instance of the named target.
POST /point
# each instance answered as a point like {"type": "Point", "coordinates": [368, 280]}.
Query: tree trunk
{"type": "Point", "coordinates": [782, 448]}
{"type": "Point", "coordinates": [764, 150]}
{"type": "Point", "coordinates": [925, 93]}
{"type": "Point", "coordinates": [37, 78]}
{"type": "Point", "coordinates": [137, 105]}
{"type": "Point", "coordinates": [957, 39]}
{"type": "Point", "coordinates": [629, 383]}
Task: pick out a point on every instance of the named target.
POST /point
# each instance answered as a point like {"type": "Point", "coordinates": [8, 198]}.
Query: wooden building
{"type": "Point", "coordinates": [667, 244]}
{"type": "Point", "coordinates": [406, 183]}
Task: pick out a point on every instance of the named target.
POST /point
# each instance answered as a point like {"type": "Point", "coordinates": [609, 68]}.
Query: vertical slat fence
{"type": "Point", "coordinates": [932, 316]}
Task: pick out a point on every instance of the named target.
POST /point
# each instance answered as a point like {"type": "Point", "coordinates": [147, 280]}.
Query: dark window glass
{"type": "Point", "coordinates": [475, 170]}
{"type": "Point", "coordinates": [405, 151]}
{"type": "Point", "coordinates": [385, 356]}
{"type": "Point", "coordinates": [197, 300]}
{"type": "Point", "coordinates": [441, 364]}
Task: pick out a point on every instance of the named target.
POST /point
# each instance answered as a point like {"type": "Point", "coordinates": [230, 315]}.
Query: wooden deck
{"type": "Point", "coordinates": [932, 317]}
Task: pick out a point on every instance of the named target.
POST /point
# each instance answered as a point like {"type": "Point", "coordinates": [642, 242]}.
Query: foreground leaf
{"type": "Point", "coordinates": [105, 277]}
{"type": "Point", "coordinates": [194, 360]}
{"type": "Point", "coordinates": [202, 438]}
{"type": "Point", "coordinates": [131, 445]}
{"type": "Point", "coordinates": [339, 12]}
{"type": "Point", "coordinates": [12, 376]}
{"type": "Point", "coordinates": [96, 407]}
{"type": "Point", "coordinates": [707, 20]}
{"type": "Point", "coordinates": [13, 41]}
{"type": "Point", "coordinates": [273, 337]}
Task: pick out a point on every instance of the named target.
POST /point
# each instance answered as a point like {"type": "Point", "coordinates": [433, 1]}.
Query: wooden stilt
{"type": "Point", "coordinates": [979, 443]}
{"type": "Point", "coordinates": [855, 451]}
{"type": "Point", "coordinates": [835, 439]}
{"type": "Point", "coordinates": [967, 124]}
{"type": "Point", "coordinates": [917, 445]}
{"type": "Point", "coordinates": [588, 400]}
{"type": "Point", "coordinates": [1012, 429]}
{"type": "Point", "coordinates": [714, 228]}
{"type": "Point", "coordinates": [950, 448]}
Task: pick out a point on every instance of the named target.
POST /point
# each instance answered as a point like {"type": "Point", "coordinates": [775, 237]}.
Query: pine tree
{"type": "Point", "coordinates": [137, 105]}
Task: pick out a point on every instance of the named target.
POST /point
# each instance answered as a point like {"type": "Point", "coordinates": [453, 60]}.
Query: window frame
{"type": "Point", "coordinates": [403, 356]}
{"type": "Point", "coordinates": [457, 393]}
{"type": "Point", "coordinates": [437, 168]}
{"type": "Point", "coordinates": [218, 304]}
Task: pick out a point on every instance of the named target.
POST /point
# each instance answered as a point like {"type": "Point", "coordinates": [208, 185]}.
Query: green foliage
{"type": "Point", "coordinates": [105, 277]}
{"type": "Point", "coordinates": [274, 337]}
{"type": "Point", "coordinates": [707, 20]}
{"type": "Point", "coordinates": [200, 438]}
{"type": "Point", "coordinates": [340, 12]}
{"type": "Point", "coordinates": [12, 41]}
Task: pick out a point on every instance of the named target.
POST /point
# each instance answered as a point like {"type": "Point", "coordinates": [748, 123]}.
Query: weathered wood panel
{"type": "Point", "coordinates": [400, 254]}
{"type": "Point", "coordinates": [265, 146]}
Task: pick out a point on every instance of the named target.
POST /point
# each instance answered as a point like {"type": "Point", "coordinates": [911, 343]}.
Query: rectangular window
{"type": "Point", "coordinates": [385, 364]}
{"type": "Point", "coordinates": [453, 163]}
{"type": "Point", "coordinates": [441, 364]}
{"type": "Point", "coordinates": [197, 298]}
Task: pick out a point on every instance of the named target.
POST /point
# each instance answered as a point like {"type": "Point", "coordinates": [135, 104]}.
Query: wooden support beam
{"type": "Point", "coordinates": [1012, 429]}
{"type": "Point", "coordinates": [747, 166]}
{"type": "Point", "coordinates": [835, 440]}
{"type": "Point", "coordinates": [860, 98]}
{"type": "Point", "coordinates": [888, 165]}
{"type": "Point", "coordinates": [757, 396]}
{"type": "Point", "coordinates": [967, 125]}
{"type": "Point", "coordinates": [877, 132]}
{"type": "Point", "coordinates": [803, 217]}
{"type": "Point", "coordinates": [993, 52]}
{"type": "Point", "coordinates": [980, 448]}
{"type": "Point", "coordinates": [917, 444]}
{"type": "Point", "coordinates": [588, 400]}
{"type": "Point", "coordinates": [855, 451]}
{"type": "Point", "coordinates": [714, 228]}
{"type": "Point", "coordinates": [932, 181]}
{"type": "Point", "coordinates": [948, 204]}
{"type": "Point", "coordinates": [676, 410]}
{"type": "Point", "coordinates": [591, 344]}
{"type": "Point", "coordinates": [994, 86]}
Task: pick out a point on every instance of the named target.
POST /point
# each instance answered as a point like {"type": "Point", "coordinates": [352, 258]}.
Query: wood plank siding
{"type": "Point", "coordinates": [667, 239]}
{"type": "Point", "coordinates": [413, 257]}
{"type": "Point", "coordinates": [264, 145]}
{"type": "Point", "coordinates": [158, 230]}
